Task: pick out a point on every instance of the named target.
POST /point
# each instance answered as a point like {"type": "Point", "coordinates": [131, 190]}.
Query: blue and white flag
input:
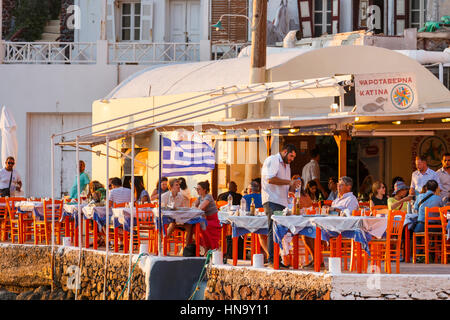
{"type": "Point", "coordinates": [187, 158]}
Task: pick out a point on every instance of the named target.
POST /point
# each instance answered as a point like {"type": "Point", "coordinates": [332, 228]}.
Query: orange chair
{"type": "Point", "coordinates": [221, 203]}
{"type": "Point", "coordinates": [43, 228]}
{"type": "Point", "coordinates": [327, 203]}
{"type": "Point", "coordinates": [432, 239]}
{"type": "Point", "coordinates": [445, 243]}
{"type": "Point", "coordinates": [388, 249]}
{"type": "Point", "coordinates": [146, 230]}
{"type": "Point", "coordinates": [4, 223]}
{"type": "Point", "coordinates": [380, 209]}
{"type": "Point", "coordinates": [114, 233]}
{"type": "Point", "coordinates": [356, 213]}
{"type": "Point", "coordinates": [15, 219]}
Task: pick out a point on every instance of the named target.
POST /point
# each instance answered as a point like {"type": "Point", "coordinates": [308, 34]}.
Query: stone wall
{"type": "Point", "coordinates": [227, 283]}
{"type": "Point", "coordinates": [26, 268]}
{"type": "Point", "coordinates": [246, 283]}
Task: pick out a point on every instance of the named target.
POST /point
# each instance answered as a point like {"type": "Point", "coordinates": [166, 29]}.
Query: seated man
{"type": "Point", "coordinates": [118, 194]}
{"type": "Point", "coordinates": [175, 199]}
{"type": "Point", "coordinates": [346, 201]}
{"type": "Point", "coordinates": [332, 185]}
{"type": "Point", "coordinates": [232, 188]}
{"type": "Point", "coordinates": [255, 193]}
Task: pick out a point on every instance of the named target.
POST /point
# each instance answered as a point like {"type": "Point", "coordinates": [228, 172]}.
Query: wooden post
{"type": "Point", "coordinates": [341, 141]}
{"type": "Point", "coordinates": [258, 53]}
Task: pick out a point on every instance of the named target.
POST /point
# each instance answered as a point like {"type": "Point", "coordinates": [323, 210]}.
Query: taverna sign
{"type": "Point", "coordinates": [386, 93]}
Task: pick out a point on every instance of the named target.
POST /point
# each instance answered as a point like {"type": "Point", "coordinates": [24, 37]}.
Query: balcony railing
{"type": "Point", "coordinates": [112, 53]}
{"type": "Point", "coordinates": [220, 51]}
{"type": "Point", "coordinates": [153, 53]}
{"type": "Point", "coordinates": [49, 52]}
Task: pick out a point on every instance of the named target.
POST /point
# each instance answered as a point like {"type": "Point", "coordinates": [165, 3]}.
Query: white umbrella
{"type": "Point", "coordinates": [9, 138]}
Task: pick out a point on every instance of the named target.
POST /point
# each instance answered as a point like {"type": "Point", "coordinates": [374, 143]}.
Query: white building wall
{"type": "Point", "coordinates": [26, 89]}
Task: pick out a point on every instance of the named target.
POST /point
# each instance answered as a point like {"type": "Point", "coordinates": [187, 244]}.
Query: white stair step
{"type": "Point", "coordinates": [49, 37]}
{"type": "Point", "coordinates": [53, 23]}
{"type": "Point", "coordinates": [52, 29]}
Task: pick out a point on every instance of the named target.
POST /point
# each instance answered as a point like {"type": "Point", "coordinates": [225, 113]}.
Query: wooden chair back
{"type": "Point", "coordinates": [221, 203]}
{"type": "Point", "coordinates": [396, 218]}
{"type": "Point", "coordinates": [47, 204]}
{"type": "Point", "coordinates": [444, 220]}
{"type": "Point", "coordinates": [432, 219]}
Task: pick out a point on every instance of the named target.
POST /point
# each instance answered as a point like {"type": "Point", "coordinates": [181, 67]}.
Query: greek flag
{"type": "Point", "coordinates": [186, 158]}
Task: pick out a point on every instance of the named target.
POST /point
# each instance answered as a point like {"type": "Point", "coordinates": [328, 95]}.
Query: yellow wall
{"type": "Point", "coordinates": [401, 157]}
{"type": "Point", "coordinates": [103, 111]}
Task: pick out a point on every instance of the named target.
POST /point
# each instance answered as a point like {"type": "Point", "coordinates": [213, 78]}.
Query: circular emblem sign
{"type": "Point", "coordinates": [402, 96]}
{"type": "Point", "coordinates": [434, 148]}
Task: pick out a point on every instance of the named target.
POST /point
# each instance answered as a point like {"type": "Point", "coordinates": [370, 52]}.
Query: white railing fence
{"type": "Point", "coordinates": [152, 53]}
{"type": "Point", "coordinates": [118, 52]}
{"type": "Point", "coordinates": [49, 52]}
{"type": "Point", "coordinates": [220, 51]}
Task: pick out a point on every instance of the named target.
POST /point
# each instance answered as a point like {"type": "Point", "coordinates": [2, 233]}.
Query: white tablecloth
{"type": "Point", "coordinates": [376, 226]}
{"type": "Point", "coordinates": [251, 223]}
{"type": "Point", "coordinates": [181, 215]}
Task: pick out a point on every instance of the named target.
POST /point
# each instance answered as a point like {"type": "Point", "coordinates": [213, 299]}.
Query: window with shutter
{"type": "Point", "coordinates": [235, 28]}
{"type": "Point", "coordinates": [305, 13]}
{"type": "Point", "coordinates": [130, 21]}
{"type": "Point", "coordinates": [418, 13]}
{"type": "Point", "coordinates": [401, 16]}
{"type": "Point", "coordinates": [335, 16]}
{"type": "Point", "coordinates": [146, 20]}
{"type": "Point", "coordinates": [111, 21]}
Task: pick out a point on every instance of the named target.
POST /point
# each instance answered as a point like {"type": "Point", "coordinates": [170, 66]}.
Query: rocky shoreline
{"type": "Point", "coordinates": [40, 293]}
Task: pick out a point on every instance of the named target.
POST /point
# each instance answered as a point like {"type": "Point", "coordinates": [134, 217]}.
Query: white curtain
{"type": "Point", "coordinates": [9, 137]}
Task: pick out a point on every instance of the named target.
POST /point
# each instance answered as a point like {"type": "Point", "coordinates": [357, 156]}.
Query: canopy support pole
{"type": "Point", "coordinates": [107, 218]}
{"type": "Point", "coordinates": [341, 140]}
{"type": "Point", "coordinates": [80, 228]}
{"type": "Point", "coordinates": [131, 217]}
{"type": "Point", "coordinates": [52, 165]}
{"type": "Point", "coordinates": [160, 222]}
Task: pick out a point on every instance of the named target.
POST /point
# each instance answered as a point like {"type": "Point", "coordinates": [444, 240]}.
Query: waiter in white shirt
{"type": "Point", "coordinates": [10, 179]}
{"type": "Point", "coordinates": [276, 183]}
{"type": "Point", "coordinates": [444, 177]}
{"type": "Point", "coordinates": [420, 177]}
{"type": "Point", "coordinates": [346, 201]}
{"type": "Point", "coordinates": [311, 171]}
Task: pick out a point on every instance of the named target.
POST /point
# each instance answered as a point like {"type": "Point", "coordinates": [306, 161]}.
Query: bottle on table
{"type": "Point", "coordinates": [230, 201]}
{"type": "Point", "coordinates": [243, 205]}
{"type": "Point", "coordinates": [252, 207]}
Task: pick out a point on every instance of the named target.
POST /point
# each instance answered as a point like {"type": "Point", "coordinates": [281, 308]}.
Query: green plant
{"type": "Point", "coordinates": [31, 15]}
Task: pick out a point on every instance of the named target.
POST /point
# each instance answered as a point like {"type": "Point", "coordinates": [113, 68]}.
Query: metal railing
{"type": "Point", "coordinates": [152, 53]}
{"type": "Point", "coordinates": [221, 51]}
{"type": "Point", "coordinates": [49, 52]}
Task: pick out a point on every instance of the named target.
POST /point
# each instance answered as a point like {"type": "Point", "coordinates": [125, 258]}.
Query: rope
{"type": "Point", "coordinates": [202, 274]}
{"type": "Point", "coordinates": [131, 274]}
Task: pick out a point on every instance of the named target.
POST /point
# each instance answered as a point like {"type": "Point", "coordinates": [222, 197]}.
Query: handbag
{"type": "Point", "coordinates": [6, 192]}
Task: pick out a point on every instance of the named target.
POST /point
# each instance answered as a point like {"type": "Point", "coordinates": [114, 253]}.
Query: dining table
{"type": "Point", "coordinates": [181, 215]}
{"type": "Point", "coordinates": [324, 227]}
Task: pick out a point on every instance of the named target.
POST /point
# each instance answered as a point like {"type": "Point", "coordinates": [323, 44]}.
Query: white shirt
{"type": "Point", "coordinates": [347, 203]}
{"type": "Point", "coordinates": [120, 195]}
{"type": "Point", "coordinates": [418, 180]}
{"type": "Point", "coordinates": [178, 201]}
{"type": "Point", "coordinates": [5, 176]}
{"type": "Point", "coordinates": [444, 177]}
{"type": "Point", "coordinates": [311, 171]}
{"type": "Point", "coordinates": [274, 166]}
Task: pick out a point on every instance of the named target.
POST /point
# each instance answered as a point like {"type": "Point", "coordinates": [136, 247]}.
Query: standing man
{"type": "Point", "coordinates": [420, 177]}
{"type": "Point", "coordinates": [311, 171]}
{"type": "Point", "coordinates": [276, 183]}
{"type": "Point", "coordinates": [84, 181]}
{"type": "Point", "coordinates": [10, 180]}
{"type": "Point", "coordinates": [444, 177]}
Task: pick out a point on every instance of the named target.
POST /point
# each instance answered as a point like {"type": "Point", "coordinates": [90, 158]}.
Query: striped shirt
{"type": "Point", "coordinates": [120, 195]}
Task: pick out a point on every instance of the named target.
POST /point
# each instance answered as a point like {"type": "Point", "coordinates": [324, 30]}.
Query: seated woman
{"type": "Point", "coordinates": [140, 194]}
{"type": "Point", "coordinates": [175, 199]}
{"type": "Point", "coordinates": [163, 186]}
{"type": "Point", "coordinates": [210, 236]}
{"type": "Point", "coordinates": [312, 191]}
{"type": "Point", "coordinates": [97, 192]}
{"type": "Point", "coordinates": [378, 197]}
{"type": "Point", "coordinates": [399, 200]}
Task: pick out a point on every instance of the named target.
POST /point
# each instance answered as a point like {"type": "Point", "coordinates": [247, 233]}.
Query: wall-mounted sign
{"type": "Point", "coordinates": [433, 147]}
{"type": "Point", "coordinates": [386, 93]}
